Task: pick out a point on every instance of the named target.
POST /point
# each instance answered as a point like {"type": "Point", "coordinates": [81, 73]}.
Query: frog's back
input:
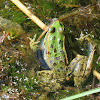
{"type": "Point", "coordinates": [54, 53]}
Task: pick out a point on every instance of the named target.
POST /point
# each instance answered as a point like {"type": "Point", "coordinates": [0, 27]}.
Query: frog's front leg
{"type": "Point", "coordinates": [34, 45]}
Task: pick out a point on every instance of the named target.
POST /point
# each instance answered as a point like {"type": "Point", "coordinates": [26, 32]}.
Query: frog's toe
{"type": "Point", "coordinates": [32, 41]}
{"type": "Point", "coordinates": [33, 45]}
{"type": "Point", "coordinates": [29, 38]}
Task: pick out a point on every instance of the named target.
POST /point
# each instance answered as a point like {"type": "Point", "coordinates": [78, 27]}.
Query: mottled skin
{"type": "Point", "coordinates": [80, 67]}
{"type": "Point", "coordinates": [54, 49]}
{"type": "Point", "coordinates": [56, 58]}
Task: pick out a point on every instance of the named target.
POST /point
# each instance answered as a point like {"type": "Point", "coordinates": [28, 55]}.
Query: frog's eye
{"type": "Point", "coordinates": [52, 29]}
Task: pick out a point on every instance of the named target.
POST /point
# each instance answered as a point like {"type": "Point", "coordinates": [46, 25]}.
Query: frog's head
{"type": "Point", "coordinates": [57, 26]}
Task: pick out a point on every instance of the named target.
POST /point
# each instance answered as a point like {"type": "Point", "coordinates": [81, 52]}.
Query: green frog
{"type": "Point", "coordinates": [56, 58]}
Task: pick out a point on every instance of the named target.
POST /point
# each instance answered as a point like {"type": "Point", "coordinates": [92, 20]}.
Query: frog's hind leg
{"type": "Point", "coordinates": [84, 67]}
{"type": "Point", "coordinates": [47, 81]}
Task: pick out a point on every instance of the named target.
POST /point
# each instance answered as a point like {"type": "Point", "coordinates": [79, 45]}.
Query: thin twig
{"type": "Point", "coordinates": [29, 14]}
